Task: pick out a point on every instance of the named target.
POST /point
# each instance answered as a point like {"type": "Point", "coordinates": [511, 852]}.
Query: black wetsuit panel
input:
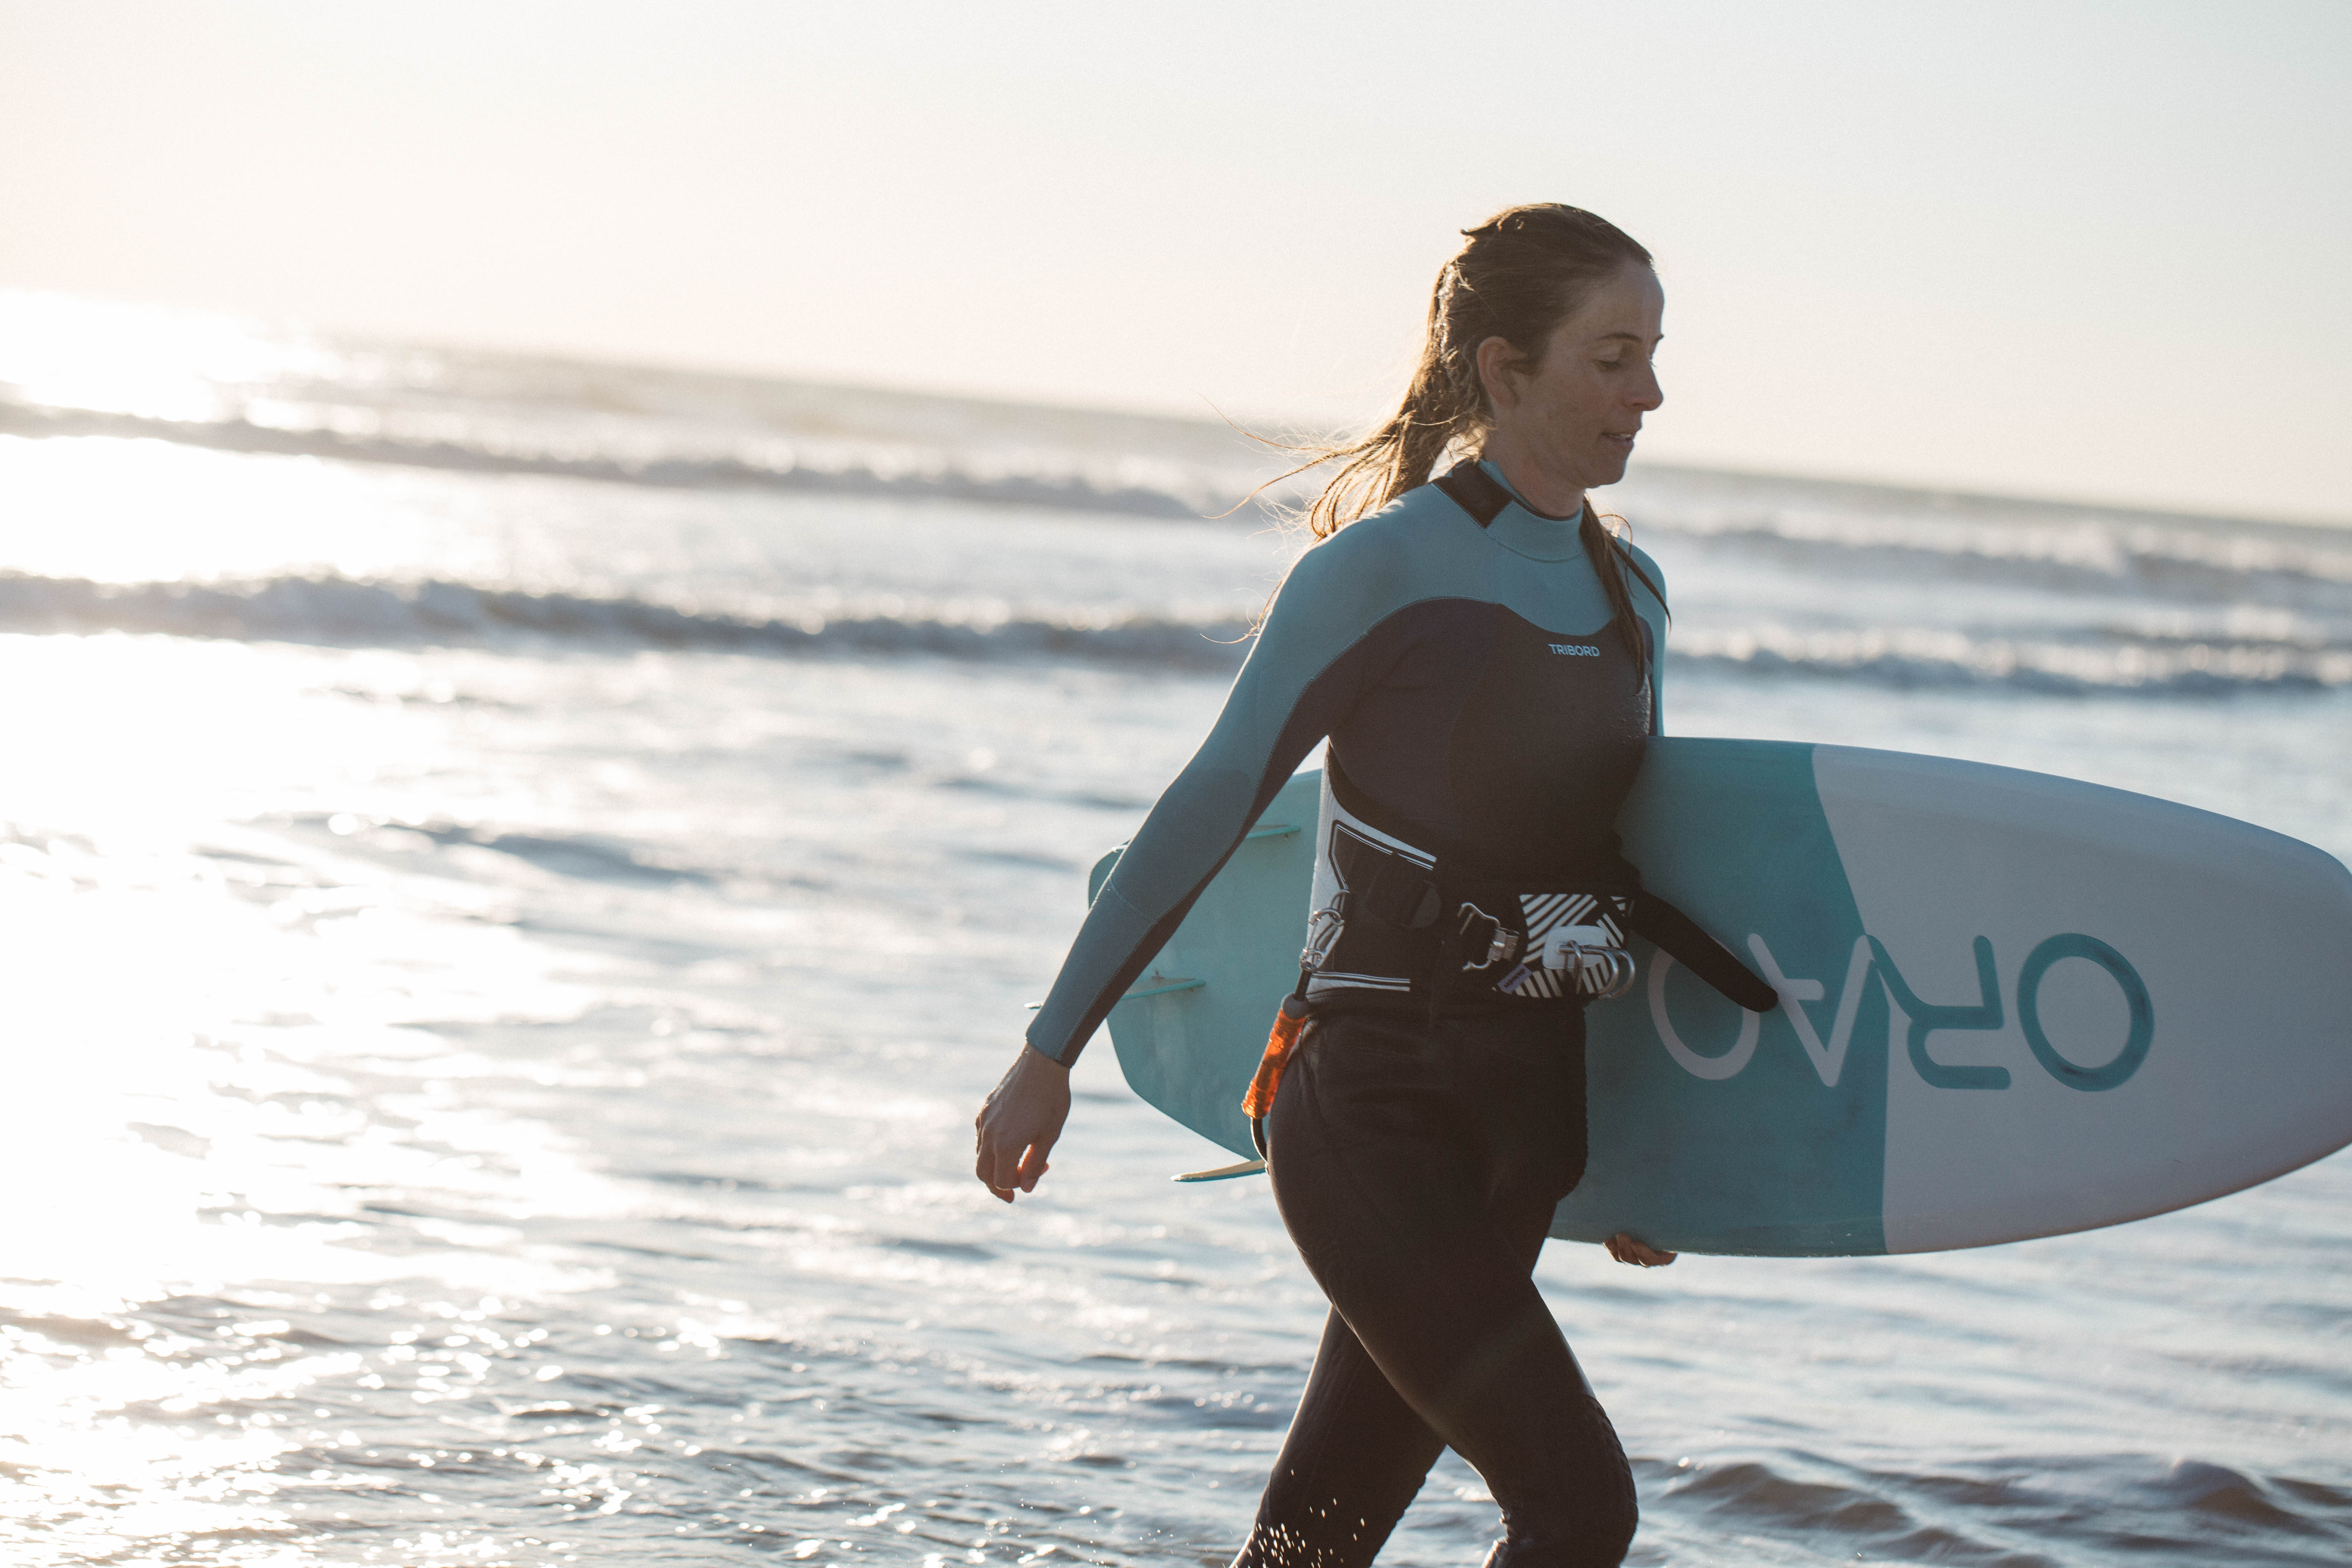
{"type": "Point", "coordinates": [1494, 739]}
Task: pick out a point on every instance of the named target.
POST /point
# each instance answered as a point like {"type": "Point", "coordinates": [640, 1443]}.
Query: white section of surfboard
{"type": "Point", "coordinates": [2241, 937]}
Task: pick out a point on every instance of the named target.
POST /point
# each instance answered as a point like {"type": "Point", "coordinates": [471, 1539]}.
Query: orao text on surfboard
{"type": "Point", "coordinates": [1870, 960]}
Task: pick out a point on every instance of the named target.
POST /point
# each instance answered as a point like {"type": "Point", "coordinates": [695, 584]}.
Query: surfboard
{"type": "Point", "coordinates": [2012, 1005]}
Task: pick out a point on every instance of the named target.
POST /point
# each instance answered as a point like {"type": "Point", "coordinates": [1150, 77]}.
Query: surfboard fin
{"type": "Point", "coordinates": [1225, 1172]}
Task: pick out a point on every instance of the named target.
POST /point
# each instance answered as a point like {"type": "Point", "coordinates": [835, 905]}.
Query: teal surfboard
{"type": "Point", "coordinates": [2012, 1005]}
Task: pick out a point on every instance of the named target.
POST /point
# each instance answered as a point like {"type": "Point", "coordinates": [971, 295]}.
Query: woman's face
{"type": "Point", "coordinates": [1574, 413]}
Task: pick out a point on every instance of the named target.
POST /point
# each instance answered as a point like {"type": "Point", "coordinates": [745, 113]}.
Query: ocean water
{"type": "Point", "coordinates": [514, 877]}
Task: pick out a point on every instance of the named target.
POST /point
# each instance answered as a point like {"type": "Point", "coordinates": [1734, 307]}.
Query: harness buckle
{"type": "Point", "coordinates": [1615, 979]}
{"type": "Point", "coordinates": [1600, 968]}
{"type": "Point", "coordinates": [1323, 929]}
{"type": "Point", "coordinates": [1502, 941]}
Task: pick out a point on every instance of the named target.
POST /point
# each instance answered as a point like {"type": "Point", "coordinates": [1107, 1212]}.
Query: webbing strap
{"type": "Point", "coordinates": [1676, 934]}
{"type": "Point", "coordinates": [1401, 892]}
{"type": "Point", "coordinates": [1385, 884]}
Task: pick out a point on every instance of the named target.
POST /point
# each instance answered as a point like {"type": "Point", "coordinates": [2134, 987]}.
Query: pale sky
{"type": "Point", "coordinates": [2074, 250]}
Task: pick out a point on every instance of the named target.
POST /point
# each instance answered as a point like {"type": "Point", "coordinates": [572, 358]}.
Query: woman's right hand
{"type": "Point", "coordinates": [1624, 1248]}
{"type": "Point", "coordinates": [1020, 1122]}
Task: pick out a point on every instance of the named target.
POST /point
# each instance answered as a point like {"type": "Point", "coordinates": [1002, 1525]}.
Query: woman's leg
{"type": "Point", "coordinates": [1417, 1170]}
{"type": "Point", "coordinates": [1353, 1460]}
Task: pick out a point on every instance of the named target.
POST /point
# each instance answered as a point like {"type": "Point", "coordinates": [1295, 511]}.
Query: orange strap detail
{"type": "Point", "coordinates": [1278, 1043]}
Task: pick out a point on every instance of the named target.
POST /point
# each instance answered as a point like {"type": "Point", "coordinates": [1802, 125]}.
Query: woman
{"type": "Point", "coordinates": [1482, 656]}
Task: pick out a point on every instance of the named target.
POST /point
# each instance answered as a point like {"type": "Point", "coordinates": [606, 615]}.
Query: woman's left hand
{"type": "Point", "coordinates": [1625, 1249]}
{"type": "Point", "coordinates": [1019, 1123]}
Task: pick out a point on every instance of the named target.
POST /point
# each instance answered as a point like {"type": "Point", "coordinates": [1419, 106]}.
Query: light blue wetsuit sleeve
{"type": "Point", "coordinates": [1297, 681]}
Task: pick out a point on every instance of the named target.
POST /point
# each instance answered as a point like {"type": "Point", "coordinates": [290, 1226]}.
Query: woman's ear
{"type": "Point", "coordinates": [1499, 371]}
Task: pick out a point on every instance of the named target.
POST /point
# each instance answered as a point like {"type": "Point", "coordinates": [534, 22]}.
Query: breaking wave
{"type": "Point", "coordinates": [1807, 525]}
{"type": "Point", "coordinates": [2142, 666]}
{"type": "Point", "coordinates": [2135, 555]}
{"type": "Point", "coordinates": [774, 465]}
{"type": "Point", "coordinates": [342, 612]}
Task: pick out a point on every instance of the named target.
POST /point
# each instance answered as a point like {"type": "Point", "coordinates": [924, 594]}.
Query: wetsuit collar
{"type": "Point", "coordinates": [1523, 531]}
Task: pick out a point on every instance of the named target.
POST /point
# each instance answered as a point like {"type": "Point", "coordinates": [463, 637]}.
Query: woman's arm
{"type": "Point", "coordinates": [1321, 643]}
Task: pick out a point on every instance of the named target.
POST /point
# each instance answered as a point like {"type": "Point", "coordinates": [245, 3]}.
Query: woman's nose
{"type": "Point", "coordinates": [1647, 393]}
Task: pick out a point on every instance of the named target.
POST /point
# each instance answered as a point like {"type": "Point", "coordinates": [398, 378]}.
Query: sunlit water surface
{"type": "Point", "coordinates": [499, 1093]}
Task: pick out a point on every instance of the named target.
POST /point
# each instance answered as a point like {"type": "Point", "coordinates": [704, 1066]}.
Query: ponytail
{"type": "Point", "coordinates": [1611, 559]}
{"type": "Point", "coordinates": [1445, 406]}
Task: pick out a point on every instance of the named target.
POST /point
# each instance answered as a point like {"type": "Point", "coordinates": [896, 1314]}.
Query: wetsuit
{"type": "Point", "coordinates": [1486, 721]}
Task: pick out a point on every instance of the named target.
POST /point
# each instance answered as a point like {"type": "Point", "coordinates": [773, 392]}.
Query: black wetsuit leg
{"type": "Point", "coordinates": [1417, 1167]}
